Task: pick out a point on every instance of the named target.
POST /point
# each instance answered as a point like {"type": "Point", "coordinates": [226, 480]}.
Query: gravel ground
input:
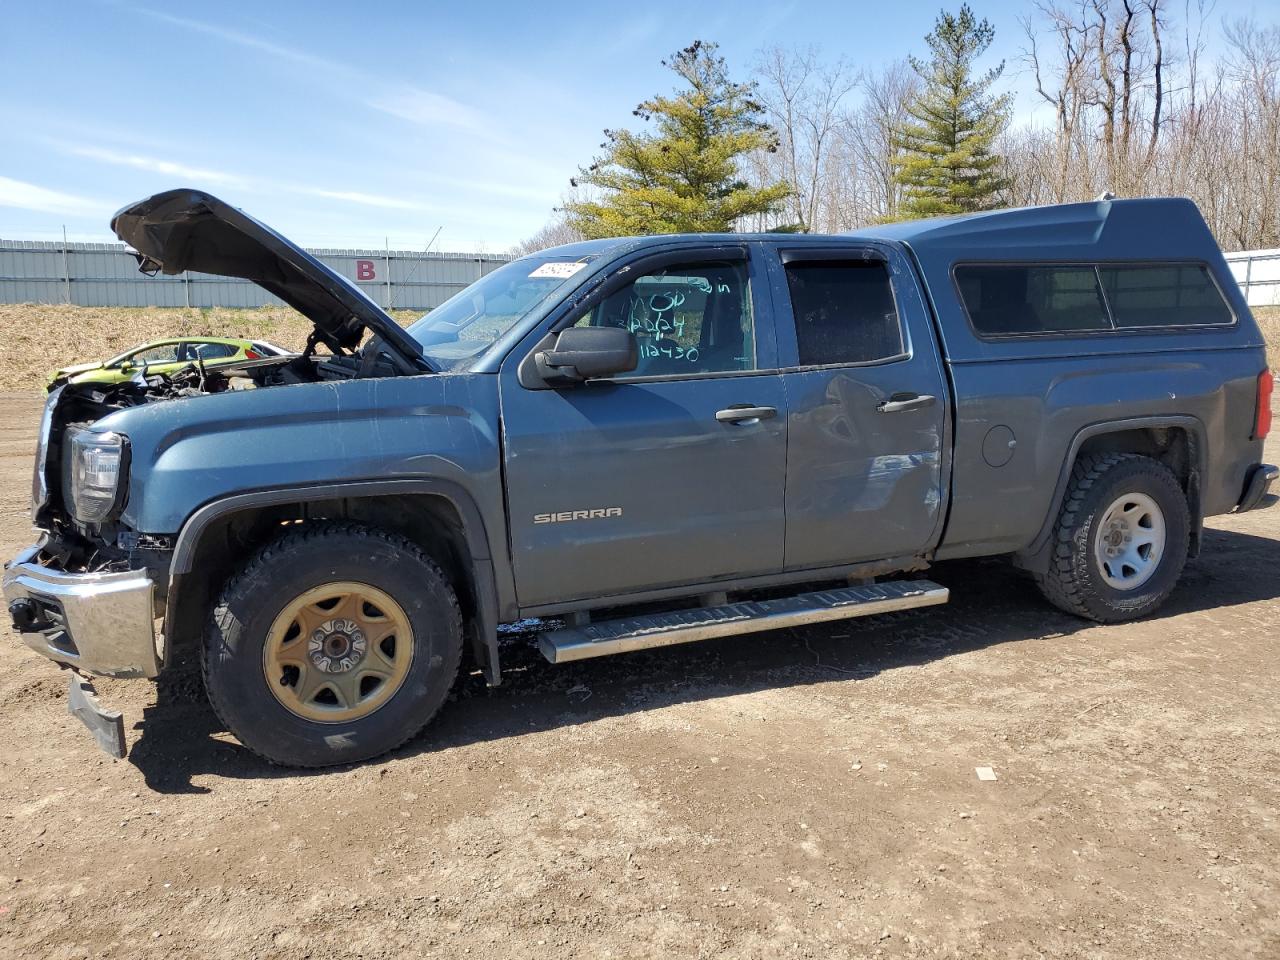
{"type": "Point", "coordinates": [794, 794]}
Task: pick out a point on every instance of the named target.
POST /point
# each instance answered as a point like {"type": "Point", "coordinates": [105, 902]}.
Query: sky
{"type": "Point", "coordinates": [362, 124]}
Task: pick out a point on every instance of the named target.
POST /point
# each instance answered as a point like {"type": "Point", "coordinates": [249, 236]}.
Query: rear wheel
{"type": "Point", "coordinates": [1120, 543]}
{"type": "Point", "coordinates": [334, 644]}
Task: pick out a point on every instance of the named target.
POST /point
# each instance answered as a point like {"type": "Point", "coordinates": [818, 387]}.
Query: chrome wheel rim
{"type": "Point", "coordinates": [338, 652]}
{"type": "Point", "coordinates": [1129, 542]}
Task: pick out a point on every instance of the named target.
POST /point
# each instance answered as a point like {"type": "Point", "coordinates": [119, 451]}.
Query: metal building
{"type": "Point", "coordinates": [106, 275]}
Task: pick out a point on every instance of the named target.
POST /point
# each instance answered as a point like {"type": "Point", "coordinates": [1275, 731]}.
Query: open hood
{"type": "Point", "coordinates": [190, 230]}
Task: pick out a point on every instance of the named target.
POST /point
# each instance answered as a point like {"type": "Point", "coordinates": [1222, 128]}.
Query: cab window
{"type": "Point", "coordinates": [687, 318]}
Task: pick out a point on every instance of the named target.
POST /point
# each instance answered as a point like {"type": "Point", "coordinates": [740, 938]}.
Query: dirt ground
{"type": "Point", "coordinates": [793, 794]}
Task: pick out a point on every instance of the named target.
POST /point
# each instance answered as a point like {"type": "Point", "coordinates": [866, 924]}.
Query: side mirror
{"type": "Point", "coordinates": [126, 365]}
{"type": "Point", "coordinates": [585, 353]}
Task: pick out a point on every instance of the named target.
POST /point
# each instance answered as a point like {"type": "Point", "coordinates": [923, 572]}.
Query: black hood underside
{"type": "Point", "coordinates": [188, 229]}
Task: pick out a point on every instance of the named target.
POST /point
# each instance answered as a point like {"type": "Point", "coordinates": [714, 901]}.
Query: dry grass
{"type": "Point", "coordinates": [38, 338]}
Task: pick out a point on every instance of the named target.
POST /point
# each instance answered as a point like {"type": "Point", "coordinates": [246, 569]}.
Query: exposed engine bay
{"type": "Point", "coordinates": [195, 379]}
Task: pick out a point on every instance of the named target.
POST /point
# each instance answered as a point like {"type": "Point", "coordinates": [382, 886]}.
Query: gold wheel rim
{"type": "Point", "coordinates": [338, 652]}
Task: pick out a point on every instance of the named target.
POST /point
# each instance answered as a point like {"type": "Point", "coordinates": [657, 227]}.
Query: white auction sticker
{"type": "Point", "coordinates": [561, 270]}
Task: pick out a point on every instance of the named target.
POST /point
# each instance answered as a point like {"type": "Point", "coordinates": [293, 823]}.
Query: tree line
{"type": "Point", "coordinates": [1131, 104]}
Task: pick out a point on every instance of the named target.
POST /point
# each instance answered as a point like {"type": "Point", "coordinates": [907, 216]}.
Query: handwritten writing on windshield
{"type": "Point", "coordinates": [656, 316]}
{"type": "Point", "coordinates": [668, 348]}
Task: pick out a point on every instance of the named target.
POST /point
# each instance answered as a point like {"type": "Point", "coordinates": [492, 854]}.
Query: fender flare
{"type": "Point", "coordinates": [473, 531]}
{"type": "Point", "coordinates": [1193, 425]}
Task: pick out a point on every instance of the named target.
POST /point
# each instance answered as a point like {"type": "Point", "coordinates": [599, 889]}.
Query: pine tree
{"type": "Point", "coordinates": [945, 162]}
{"type": "Point", "coordinates": [683, 176]}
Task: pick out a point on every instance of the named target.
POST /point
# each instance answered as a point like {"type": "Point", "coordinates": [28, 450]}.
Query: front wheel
{"type": "Point", "coordinates": [1120, 543]}
{"type": "Point", "coordinates": [334, 644]}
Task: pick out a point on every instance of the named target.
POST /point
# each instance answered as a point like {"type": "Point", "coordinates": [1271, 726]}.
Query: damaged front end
{"type": "Point", "coordinates": [80, 481]}
{"type": "Point", "coordinates": [86, 594]}
{"type": "Point", "coordinates": [79, 596]}
{"type": "Point", "coordinates": [81, 476]}
{"type": "Point", "coordinates": [89, 593]}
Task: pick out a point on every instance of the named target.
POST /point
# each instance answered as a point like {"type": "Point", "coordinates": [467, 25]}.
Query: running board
{"type": "Point", "coordinates": [749, 616]}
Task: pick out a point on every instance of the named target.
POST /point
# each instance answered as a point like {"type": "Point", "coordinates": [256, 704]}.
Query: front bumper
{"type": "Point", "coordinates": [96, 622]}
{"type": "Point", "coordinates": [1257, 489]}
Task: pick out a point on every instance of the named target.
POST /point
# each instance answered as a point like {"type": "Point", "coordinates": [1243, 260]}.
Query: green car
{"type": "Point", "coordinates": [166, 356]}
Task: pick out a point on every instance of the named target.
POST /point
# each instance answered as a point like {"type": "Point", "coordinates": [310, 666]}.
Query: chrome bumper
{"type": "Point", "coordinates": [96, 622]}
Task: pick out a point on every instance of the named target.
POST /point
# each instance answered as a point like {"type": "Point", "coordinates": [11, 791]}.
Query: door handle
{"type": "Point", "coordinates": [745, 413]}
{"type": "Point", "coordinates": [906, 401]}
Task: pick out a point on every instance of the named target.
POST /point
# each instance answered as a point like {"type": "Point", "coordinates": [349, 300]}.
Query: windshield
{"type": "Point", "coordinates": [466, 324]}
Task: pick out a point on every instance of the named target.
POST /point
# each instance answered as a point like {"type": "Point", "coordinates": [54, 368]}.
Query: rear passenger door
{"type": "Point", "coordinates": [867, 404]}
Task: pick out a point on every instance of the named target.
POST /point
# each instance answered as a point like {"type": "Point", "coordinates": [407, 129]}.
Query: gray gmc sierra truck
{"type": "Point", "coordinates": [642, 441]}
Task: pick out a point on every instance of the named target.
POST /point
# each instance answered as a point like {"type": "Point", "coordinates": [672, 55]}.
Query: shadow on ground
{"type": "Point", "coordinates": [991, 604]}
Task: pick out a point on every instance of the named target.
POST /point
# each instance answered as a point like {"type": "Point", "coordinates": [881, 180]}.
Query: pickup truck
{"type": "Point", "coordinates": [640, 442]}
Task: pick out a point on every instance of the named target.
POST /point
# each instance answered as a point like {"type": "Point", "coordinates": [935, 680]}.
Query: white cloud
{"type": "Point", "coordinates": [28, 196]}
{"type": "Point", "coordinates": [197, 175]}
{"type": "Point", "coordinates": [365, 199]}
{"type": "Point", "coordinates": [406, 102]}
{"type": "Point", "coordinates": [244, 39]}
{"type": "Point", "coordinates": [427, 109]}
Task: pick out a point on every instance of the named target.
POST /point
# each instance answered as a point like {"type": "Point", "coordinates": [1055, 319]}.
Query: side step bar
{"type": "Point", "coordinates": [749, 616]}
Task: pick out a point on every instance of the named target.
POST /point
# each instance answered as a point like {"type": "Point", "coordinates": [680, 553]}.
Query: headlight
{"type": "Point", "coordinates": [95, 460]}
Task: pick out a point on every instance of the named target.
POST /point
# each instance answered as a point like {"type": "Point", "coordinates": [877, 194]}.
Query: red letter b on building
{"type": "Point", "coordinates": [364, 270]}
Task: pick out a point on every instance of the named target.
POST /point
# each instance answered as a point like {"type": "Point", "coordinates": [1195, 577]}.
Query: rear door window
{"type": "Point", "coordinates": [1164, 295]}
{"type": "Point", "coordinates": [844, 312]}
{"type": "Point", "coordinates": [1010, 299]}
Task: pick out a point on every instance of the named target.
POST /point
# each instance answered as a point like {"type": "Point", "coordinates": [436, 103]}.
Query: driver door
{"type": "Point", "coordinates": [652, 479]}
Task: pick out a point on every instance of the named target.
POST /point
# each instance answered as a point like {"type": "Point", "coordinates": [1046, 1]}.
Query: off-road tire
{"type": "Point", "coordinates": [1073, 580]}
{"type": "Point", "coordinates": [311, 555]}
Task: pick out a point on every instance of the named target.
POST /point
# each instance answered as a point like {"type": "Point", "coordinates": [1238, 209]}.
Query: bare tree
{"type": "Point", "coordinates": [870, 145]}
{"type": "Point", "coordinates": [1064, 83]}
{"type": "Point", "coordinates": [1130, 117]}
{"type": "Point", "coordinates": [556, 231]}
{"type": "Point", "coordinates": [1253, 66]}
{"type": "Point", "coordinates": [804, 99]}
{"type": "Point", "coordinates": [1156, 25]}
{"type": "Point", "coordinates": [1137, 108]}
